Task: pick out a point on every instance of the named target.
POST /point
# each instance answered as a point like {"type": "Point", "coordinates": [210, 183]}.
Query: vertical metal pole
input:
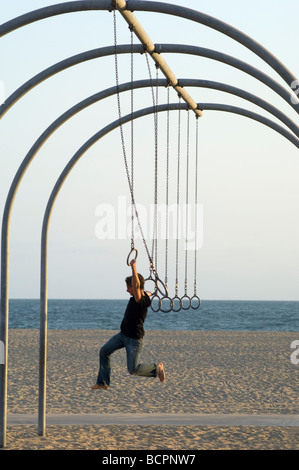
{"type": "Point", "coordinates": [4, 331]}
{"type": "Point", "coordinates": [43, 335]}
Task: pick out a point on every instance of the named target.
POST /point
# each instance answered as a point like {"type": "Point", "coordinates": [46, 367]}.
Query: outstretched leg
{"type": "Point", "coordinates": [114, 343]}
{"type": "Point", "coordinates": [133, 349]}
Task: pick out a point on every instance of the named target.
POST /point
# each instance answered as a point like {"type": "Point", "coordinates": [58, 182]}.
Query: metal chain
{"type": "Point", "coordinates": [178, 201]}
{"type": "Point", "coordinates": [123, 143]}
{"type": "Point", "coordinates": [155, 104]}
{"type": "Point", "coordinates": [187, 201]}
{"type": "Point", "coordinates": [195, 204]}
{"type": "Point", "coordinates": [167, 188]}
{"type": "Point", "coordinates": [151, 261]}
{"type": "Point", "coordinates": [132, 138]}
{"type": "Point", "coordinates": [156, 169]}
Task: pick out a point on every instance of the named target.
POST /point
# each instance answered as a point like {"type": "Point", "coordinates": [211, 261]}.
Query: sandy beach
{"type": "Point", "coordinates": [206, 373]}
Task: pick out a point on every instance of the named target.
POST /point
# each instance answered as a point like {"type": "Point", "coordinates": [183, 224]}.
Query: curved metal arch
{"type": "Point", "coordinates": [244, 95]}
{"type": "Point", "coordinates": [40, 141]}
{"type": "Point", "coordinates": [155, 7]}
{"type": "Point", "coordinates": [234, 62]}
{"type": "Point", "coordinates": [46, 134]}
{"type": "Point", "coordinates": [221, 26]}
{"type": "Point", "coordinates": [276, 127]}
{"type": "Point", "coordinates": [24, 166]}
{"type": "Point", "coordinates": [97, 97]}
{"type": "Point", "coordinates": [252, 115]}
{"type": "Point", "coordinates": [57, 187]}
{"type": "Point", "coordinates": [137, 48]}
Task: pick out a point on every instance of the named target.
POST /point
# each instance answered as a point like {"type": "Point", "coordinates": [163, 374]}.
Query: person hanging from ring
{"type": "Point", "coordinates": [130, 336]}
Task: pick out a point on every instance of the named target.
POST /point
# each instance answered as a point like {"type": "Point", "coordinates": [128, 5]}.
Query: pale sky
{"type": "Point", "coordinates": [248, 173]}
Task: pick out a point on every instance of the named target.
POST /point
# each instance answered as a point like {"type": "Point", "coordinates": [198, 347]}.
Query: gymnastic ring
{"type": "Point", "coordinates": [159, 304]}
{"type": "Point", "coordinates": [165, 293]}
{"type": "Point", "coordinates": [132, 251]}
{"type": "Point", "coordinates": [197, 299]}
{"type": "Point", "coordinates": [188, 304]}
{"type": "Point", "coordinates": [150, 278]}
{"type": "Point", "coordinates": [171, 304]}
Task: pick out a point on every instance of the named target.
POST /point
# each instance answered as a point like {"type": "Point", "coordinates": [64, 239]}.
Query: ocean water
{"type": "Point", "coordinates": [108, 314]}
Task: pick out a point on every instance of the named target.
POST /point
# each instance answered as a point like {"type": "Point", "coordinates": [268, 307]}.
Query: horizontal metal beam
{"type": "Point", "coordinates": [160, 62]}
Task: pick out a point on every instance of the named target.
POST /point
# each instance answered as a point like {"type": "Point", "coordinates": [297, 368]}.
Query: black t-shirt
{"type": "Point", "coordinates": [135, 314]}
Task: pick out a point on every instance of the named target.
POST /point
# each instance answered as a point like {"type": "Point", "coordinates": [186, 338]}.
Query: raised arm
{"type": "Point", "coordinates": [137, 293]}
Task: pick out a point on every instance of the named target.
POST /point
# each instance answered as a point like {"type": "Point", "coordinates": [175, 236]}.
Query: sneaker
{"type": "Point", "coordinates": [161, 372]}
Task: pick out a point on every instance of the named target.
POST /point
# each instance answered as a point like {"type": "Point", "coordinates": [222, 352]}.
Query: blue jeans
{"type": "Point", "coordinates": [133, 349]}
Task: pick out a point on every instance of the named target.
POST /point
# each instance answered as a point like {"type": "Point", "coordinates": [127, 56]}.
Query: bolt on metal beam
{"type": "Point", "coordinates": [149, 46]}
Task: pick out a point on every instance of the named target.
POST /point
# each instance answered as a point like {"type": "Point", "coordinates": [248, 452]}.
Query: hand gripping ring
{"type": "Point", "coordinates": [195, 302]}
{"type": "Point", "coordinates": [132, 251]}
{"type": "Point", "coordinates": [187, 301]}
